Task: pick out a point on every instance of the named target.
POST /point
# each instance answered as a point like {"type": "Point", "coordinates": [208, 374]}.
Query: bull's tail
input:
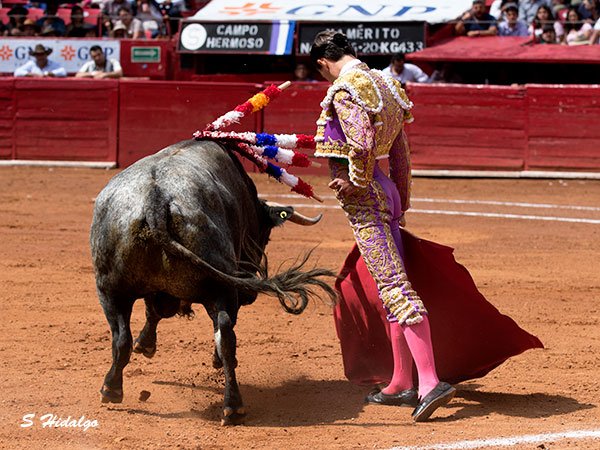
{"type": "Point", "coordinates": [293, 286]}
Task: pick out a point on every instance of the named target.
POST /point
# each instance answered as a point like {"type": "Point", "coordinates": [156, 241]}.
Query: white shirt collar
{"type": "Point", "coordinates": [349, 65]}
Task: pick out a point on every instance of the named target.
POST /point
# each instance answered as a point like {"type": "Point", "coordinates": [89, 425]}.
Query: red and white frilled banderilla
{"type": "Point", "coordinates": [259, 147]}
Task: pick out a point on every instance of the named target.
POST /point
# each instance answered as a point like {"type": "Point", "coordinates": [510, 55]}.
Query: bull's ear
{"type": "Point", "coordinates": [279, 214]}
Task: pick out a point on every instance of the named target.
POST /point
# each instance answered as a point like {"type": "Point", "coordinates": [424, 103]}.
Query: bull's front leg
{"type": "Point", "coordinates": [225, 343]}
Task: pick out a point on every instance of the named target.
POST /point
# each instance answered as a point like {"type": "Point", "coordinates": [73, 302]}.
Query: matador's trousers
{"type": "Point", "coordinates": [374, 213]}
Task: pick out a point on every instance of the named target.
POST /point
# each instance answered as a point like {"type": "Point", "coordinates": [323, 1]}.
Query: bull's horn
{"type": "Point", "coordinates": [303, 220]}
{"type": "Point", "coordinates": [274, 204]}
{"type": "Point", "coordinates": [298, 218]}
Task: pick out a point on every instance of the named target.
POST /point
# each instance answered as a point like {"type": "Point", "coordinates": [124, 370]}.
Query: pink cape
{"type": "Point", "coordinates": [470, 336]}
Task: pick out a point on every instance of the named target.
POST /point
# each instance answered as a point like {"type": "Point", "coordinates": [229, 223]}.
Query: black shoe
{"type": "Point", "coordinates": [404, 398]}
{"type": "Point", "coordinates": [439, 396]}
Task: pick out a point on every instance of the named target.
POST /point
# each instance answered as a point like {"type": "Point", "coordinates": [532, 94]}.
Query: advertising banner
{"type": "Point", "coordinates": [69, 53]}
{"type": "Point", "coordinates": [430, 11]}
{"type": "Point", "coordinates": [272, 38]}
{"type": "Point", "coordinates": [369, 38]}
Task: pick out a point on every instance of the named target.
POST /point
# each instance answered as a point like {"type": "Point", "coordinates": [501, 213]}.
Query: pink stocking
{"type": "Point", "coordinates": [418, 338]}
{"type": "Point", "coordinates": [402, 376]}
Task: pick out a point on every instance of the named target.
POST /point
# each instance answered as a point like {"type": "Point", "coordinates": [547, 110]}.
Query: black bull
{"type": "Point", "coordinates": [185, 226]}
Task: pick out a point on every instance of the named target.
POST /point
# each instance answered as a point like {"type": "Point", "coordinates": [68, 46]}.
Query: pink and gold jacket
{"type": "Point", "coordinates": [362, 120]}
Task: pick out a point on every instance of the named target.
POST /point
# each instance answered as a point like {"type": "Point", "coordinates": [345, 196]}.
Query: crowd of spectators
{"type": "Point", "coordinates": [574, 22]}
{"type": "Point", "coordinates": [137, 19]}
{"type": "Point", "coordinates": [569, 22]}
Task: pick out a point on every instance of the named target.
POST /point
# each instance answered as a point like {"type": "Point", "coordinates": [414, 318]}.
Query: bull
{"type": "Point", "coordinates": [184, 226]}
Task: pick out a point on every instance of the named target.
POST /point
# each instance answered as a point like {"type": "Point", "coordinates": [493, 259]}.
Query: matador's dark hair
{"type": "Point", "coordinates": [330, 44]}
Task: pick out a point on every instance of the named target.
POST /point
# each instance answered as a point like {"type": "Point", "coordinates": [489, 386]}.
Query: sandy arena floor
{"type": "Point", "coordinates": [55, 341]}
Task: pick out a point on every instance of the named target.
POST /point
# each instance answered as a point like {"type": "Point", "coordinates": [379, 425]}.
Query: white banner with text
{"type": "Point", "coordinates": [69, 53]}
{"type": "Point", "coordinates": [431, 11]}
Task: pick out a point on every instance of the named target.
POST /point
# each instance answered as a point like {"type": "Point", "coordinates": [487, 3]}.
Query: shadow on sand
{"type": "Point", "coordinates": [305, 402]}
{"type": "Point", "coordinates": [475, 403]}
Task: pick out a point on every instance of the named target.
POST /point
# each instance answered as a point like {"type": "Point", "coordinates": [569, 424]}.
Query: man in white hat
{"type": "Point", "coordinates": [119, 31]}
{"type": "Point", "coordinates": [42, 66]}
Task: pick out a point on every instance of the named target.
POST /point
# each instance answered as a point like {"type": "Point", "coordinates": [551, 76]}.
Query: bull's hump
{"type": "Point", "coordinates": [190, 173]}
{"type": "Point", "coordinates": [204, 166]}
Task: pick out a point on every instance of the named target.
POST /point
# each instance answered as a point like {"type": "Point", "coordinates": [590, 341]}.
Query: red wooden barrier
{"type": "Point", "coordinates": [563, 127]}
{"type": "Point", "coordinates": [467, 127]}
{"type": "Point", "coordinates": [155, 114]}
{"type": "Point", "coordinates": [66, 119]}
{"type": "Point", "coordinates": [7, 112]}
{"type": "Point", "coordinates": [535, 127]}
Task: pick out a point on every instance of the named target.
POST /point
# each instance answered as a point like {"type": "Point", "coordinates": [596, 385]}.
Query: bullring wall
{"type": "Point", "coordinates": [457, 127]}
{"type": "Point", "coordinates": [63, 120]}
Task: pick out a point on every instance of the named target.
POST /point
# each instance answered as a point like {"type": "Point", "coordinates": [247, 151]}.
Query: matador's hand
{"type": "Point", "coordinates": [343, 187]}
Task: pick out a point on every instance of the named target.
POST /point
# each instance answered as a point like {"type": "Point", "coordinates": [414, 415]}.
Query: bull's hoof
{"type": "Point", "coordinates": [231, 417]}
{"type": "Point", "coordinates": [216, 361]}
{"type": "Point", "coordinates": [148, 352]}
{"type": "Point", "coordinates": [111, 395]}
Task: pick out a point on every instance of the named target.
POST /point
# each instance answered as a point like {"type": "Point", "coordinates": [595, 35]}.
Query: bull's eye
{"type": "Point", "coordinates": [283, 214]}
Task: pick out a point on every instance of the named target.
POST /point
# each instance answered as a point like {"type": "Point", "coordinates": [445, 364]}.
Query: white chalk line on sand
{"type": "Point", "coordinates": [473, 213]}
{"type": "Point", "coordinates": [473, 202]}
{"type": "Point", "coordinates": [467, 213]}
{"type": "Point", "coordinates": [510, 441]}
{"type": "Point", "coordinates": [516, 204]}
{"type": "Point", "coordinates": [505, 216]}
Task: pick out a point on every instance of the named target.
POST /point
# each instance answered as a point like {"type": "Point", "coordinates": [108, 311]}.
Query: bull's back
{"type": "Point", "coordinates": [204, 195]}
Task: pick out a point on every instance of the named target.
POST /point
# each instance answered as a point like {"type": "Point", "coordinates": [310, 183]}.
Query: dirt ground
{"type": "Point", "coordinates": [55, 341]}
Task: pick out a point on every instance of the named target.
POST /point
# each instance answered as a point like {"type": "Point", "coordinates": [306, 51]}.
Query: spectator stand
{"type": "Point", "coordinates": [11, 3]}
{"type": "Point", "coordinates": [35, 13]}
{"type": "Point", "coordinates": [91, 15]}
{"type": "Point", "coordinates": [510, 60]}
{"type": "Point", "coordinates": [4, 15]}
{"type": "Point", "coordinates": [64, 14]}
{"type": "Point", "coordinates": [32, 13]}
